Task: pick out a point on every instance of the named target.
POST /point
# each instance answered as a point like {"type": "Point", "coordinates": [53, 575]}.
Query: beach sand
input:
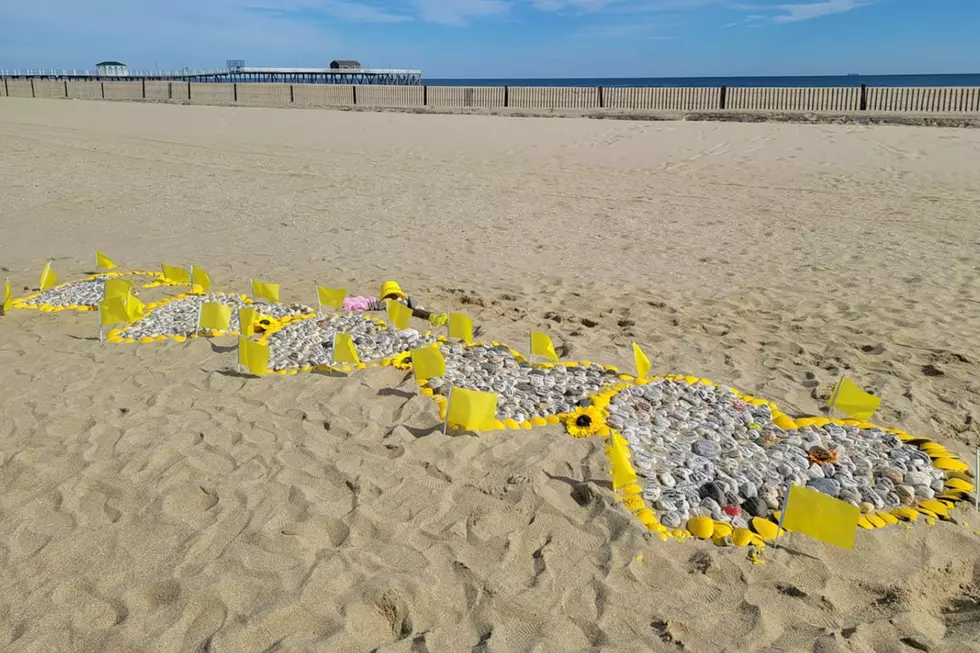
{"type": "Point", "coordinates": [153, 502]}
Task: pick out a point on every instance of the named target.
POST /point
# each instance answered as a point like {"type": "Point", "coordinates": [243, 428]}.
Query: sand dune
{"type": "Point", "coordinates": [152, 501]}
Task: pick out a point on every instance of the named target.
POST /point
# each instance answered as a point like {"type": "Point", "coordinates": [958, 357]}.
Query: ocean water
{"type": "Point", "coordinates": [684, 82]}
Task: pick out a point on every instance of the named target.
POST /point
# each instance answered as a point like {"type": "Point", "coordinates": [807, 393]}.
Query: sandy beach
{"type": "Point", "coordinates": [153, 502]}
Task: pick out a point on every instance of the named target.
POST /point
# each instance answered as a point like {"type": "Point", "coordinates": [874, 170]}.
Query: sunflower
{"type": "Point", "coordinates": [585, 422]}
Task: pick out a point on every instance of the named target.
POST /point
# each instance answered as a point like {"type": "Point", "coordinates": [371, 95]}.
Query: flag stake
{"type": "Point", "coordinates": [833, 397]}
{"type": "Point", "coordinates": [782, 514]}
{"type": "Point", "coordinates": [976, 482]}
{"type": "Point", "coordinates": [449, 398]}
{"type": "Point", "coordinates": [318, 302]}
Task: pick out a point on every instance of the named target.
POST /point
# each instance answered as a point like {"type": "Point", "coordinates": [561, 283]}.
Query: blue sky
{"type": "Point", "coordinates": [505, 38]}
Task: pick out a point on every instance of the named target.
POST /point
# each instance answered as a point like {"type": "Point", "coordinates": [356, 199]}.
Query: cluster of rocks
{"type": "Point", "coordinates": [179, 317]}
{"type": "Point", "coordinates": [85, 292]}
{"type": "Point", "coordinates": [524, 391]}
{"type": "Point", "coordinates": [703, 452]}
{"type": "Point", "coordinates": [309, 342]}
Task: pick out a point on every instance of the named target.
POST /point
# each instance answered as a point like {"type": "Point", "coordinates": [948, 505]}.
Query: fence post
{"type": "Point", "coordinates": [6, 87]}
{"type": "Point", "coordinates": [66, 89]}
{"type": "Point", "coordinates": [602, 103]}
{"type": "Point", "coordinates": [144, 88]}
{"type": "Point", "coordinates": [864, 97]}
{"type": "Point", "coordinates": [170, 90]}
{"type": "Point", "coordinates": [506, 96]}
{"type": "Point", "coordinates": [188, 91]}
{"type": "Point", "coordinates": [102, 86]}
{"type": "Point", "coordinates": [235, 86]}
{"type": "Point", "coordinates": [723, 98]}
{"type": "Point", "coordinates": [32, 89]}
{"type": "Point", "coordinates": [353, 91]}
{"type": "Point", "coordinates": [425, 95]}
{"type": "Point", "coordinates": [292, 98]}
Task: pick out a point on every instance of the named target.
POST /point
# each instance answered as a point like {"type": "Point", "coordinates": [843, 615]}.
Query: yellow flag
{"type": "Point", "coordinates": [214, 316]}
{"type": "Point", "coordinates": [7, 296]}
{"type": "Point", "coordinates": [135, 309]}
{"type": "Point", "coordinates": [472, 410]}
{"type": "Point", "coordinates": [461, 326]}
{"type": "Point", "coordinates": [344, 350]}
{"type": "Point", "coordinates": [113, 310]}
{"type": "Point", "coordinates": [117, 288]}
{"type": "Point", "coordinates": [623, 473]}
{"type": "Point", "coordinates": [822, 517]}
{"type": "Point", "coordinates": [541, 345]}
{"type": "Point", "coordinates": [428, 363]}
{"type": "Point", "coordinates": [332, 297]}
{"type": "Point", "coordinates": [246, 319]}
{"type": "Point", "coordinates": [642, 362]}
{"type": "Point", "coordinates": [253, 356]}
{"type": "Point", "coordinates": [200, 280]}
{"type": "Point", "coordinates": [849, 398]}
{"type": "Point", "coordinates": [269, 291]}
{"type": "Point", "coordinates": [48, 277]}
{"type": "Point", "coordinates": [103, 261]}
{"type": "Point", "coordinates": [176, 275]}
{"type": "Point", "coordinates": [399, 315]}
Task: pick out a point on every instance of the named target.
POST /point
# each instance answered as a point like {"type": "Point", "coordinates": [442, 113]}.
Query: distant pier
{"type": "Point", "coordinates": [365, 76]}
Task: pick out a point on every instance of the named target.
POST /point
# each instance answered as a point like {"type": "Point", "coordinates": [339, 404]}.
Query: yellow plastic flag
{"type": "Point", "coordinates": [48, 277]}
{"type": "Point", "coordinates": [344, 350]}
{"type": "Point", "coordinates": [216, 317]}
{"type": "Point", "coordinates": [268, 291]}
{"type": "Point", "coordinates": [642, 362]}
{"type": "Point", "coordinates": [623, 473]}
{"type": "Point", "coordinates": [103, 261]}
{"type": "Point", "coordinates": [461, 326]}
{"type": "Point", "coordinates": [176, 275]}
{"type": "Point", "coordinates": [541, 345]}
{"type": "Point", "coordinates": [113, 311]}
{"type": "Point", "coordinates": [849, 398]}
{"type": "Point", "coordinates": [246, 319]}
{"type": "Point", "coordinates": [200, 280]}
{"type": "Point", "coordinates": [332, 297]}
{"type": "Point", "coordinates": [117, 288]}
{"type": "Point", "coordinates": [7, 296]}
{"type": "Point", "coordinates": [428, 363]}
{"type": "Point", "coordinates": [253, 356]}
{"type": "Point", "coordinates": [472, 410]}
{"type": "Point", "coordinates": [821, 516]}
{"type": "Point", "coordinates": [135, 309]}
{"type": "Point", "coordinates": [399, 315]}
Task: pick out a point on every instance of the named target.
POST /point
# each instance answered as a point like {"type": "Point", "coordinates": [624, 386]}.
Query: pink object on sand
{"type": "Point", "coordinates": [358, 303]}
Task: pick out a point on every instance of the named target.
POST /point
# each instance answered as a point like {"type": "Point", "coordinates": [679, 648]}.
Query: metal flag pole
{"type": "Point", "coordinates": [318, 302]}
{"type": "Point", "coordinates": [782, 514]}
{"type": "Point", "coordinates": [449, 398]}
{"type": "Point", "coordinates": [976, 482]}
{"type": "Point", "coordinates": [833, 396]}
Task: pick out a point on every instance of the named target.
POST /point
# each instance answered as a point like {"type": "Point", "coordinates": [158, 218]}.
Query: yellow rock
{"type": "Point", "coordinates": [160, 338]}
{"type": "Point", "coordinates": [937, 507]}
{"type": "Point", "coordinates": [887, 517]}
{"type": "Point", "coordinates": [766, 529]}
{"type": "Point", "coordinates": [744, 537]}
{"type": "Point", "coordinates": [701, 527]}
{"type": "Point", "coordinates": [806, 421]}
{"type": "Point", "coordinates": [959, 484]}
{"type": "Point", "coordinates": [867, 425]}
{"type": "Point", "coordinates": [498, 425]}
{"type": "Point", "coordinates": [864, 523]}
{"type": "Point", "coordinates": [951, 464]}
{"type": "Point", "coordinates": [785, 423]}
{"type": "Point", "coordinates": [553, 419]}
{"type": "Point", "coordinates": [130, 340]}
{"type": "Point", "coordinates": [906, 514]}
{"type": "Point", "coordinates": [633, 502]}
{"type": "Point", "coordinates": [821, 421]}
{"type": "Point", "coordinates": [875, 520]}
{"type": "Point", "coordinates": [146, 339]}
{"type": "Point", "coordinates": [963, 476]}
{"type": "Point", "coordinates": [539, 421]}
{"type": "Point", "coordinates": [632, 488]}
{"type": "Point", "coordinates": [722, 529]}
{"type": "Point", "coordinates": [179, 339]}
{"type": "Point", "coordinates": [527, 426]}
{"type": "Point", "coordinates": [691, 380]}
{"type": "Point", "coordinates": [511, 424]}
{"type": "Point", "coordinates": [646, 516]}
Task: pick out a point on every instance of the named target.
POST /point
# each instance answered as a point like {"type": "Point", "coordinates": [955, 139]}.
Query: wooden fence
{"type": "Point", "coordinates": [835, 99]}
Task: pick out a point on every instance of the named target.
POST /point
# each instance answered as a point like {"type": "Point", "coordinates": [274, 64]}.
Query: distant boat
{"type": "Point", "coordinates": [853, 74]}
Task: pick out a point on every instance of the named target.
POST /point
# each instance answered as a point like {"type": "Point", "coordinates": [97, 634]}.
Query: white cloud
{"type": "Point", "coordinates": [800, 12]}
{"type": "Point", "coordinates": [458, 12]}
